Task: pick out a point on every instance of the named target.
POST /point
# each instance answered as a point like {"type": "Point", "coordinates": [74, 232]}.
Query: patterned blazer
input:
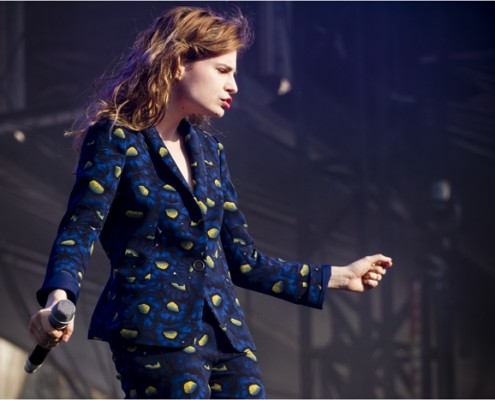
{"type": "Point", "coordinates": [170, 247]}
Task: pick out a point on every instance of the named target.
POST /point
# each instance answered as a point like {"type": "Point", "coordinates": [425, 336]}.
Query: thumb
{"type": "Point", "coordinates": [68, 330]}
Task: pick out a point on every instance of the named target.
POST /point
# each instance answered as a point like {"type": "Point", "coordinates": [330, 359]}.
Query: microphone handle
{"type": "Point", "coordinates": [35, 359]}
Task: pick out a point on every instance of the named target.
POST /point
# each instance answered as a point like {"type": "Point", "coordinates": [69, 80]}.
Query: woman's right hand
{"type": "Point", "coordinates": [44, 334]}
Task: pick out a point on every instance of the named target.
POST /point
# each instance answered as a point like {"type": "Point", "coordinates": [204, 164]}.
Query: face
{"type": "Point", "coordinates": [206, 86]}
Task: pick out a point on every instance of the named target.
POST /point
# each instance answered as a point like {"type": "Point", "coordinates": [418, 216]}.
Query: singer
{"type": "Point", "coordinates": [154, 187]}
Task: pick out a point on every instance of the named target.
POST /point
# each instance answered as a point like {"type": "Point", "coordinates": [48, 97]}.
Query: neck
{"type": "Point", "coordinates": [167, 127]}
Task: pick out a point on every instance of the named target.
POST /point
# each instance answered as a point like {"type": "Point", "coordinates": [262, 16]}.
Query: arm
{"type": "Point", "coordinates": [98, 173]}
{"type": "Point", "coordinates": [292, 281]}
{"type": "Point", "coordinates": [100, 165]}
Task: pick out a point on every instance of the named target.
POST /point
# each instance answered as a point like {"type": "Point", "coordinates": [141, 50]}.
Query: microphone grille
{"type": "Point", "coordinates": [62, 313]}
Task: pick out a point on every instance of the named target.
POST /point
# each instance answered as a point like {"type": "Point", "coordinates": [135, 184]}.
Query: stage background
{"type": "Point", "coordinates": [360, 127]}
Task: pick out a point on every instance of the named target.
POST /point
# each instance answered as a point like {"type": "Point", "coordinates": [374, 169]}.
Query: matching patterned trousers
{"type": "Point", "coordinates": [210, 368]}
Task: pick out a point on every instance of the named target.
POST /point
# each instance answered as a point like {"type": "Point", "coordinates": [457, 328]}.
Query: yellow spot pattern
{"type": "Point", "coordinates": [143, 190]}
{"type": "Point", "coordinates": [213, 233]}
{"type": "Point", "coordinates": [254, 389]}
{"type": "Point", "coordinates": [150, 391]}
{"type": "Point", "coordinates": [250, 354]}
{"type": "Point", "coordinates": [131, 152]}
{"type": "Point", "coordinates": [209, 261]}
{"type": "Point", "coordinates": [153, 366]}
{"type": "Point", "coordinates": [210, 203]}
{"type": "Point", "coordinates": [163, 151]}
{"type": "Point", "coordinates": [131, 252]}
{"type": "Point", "coordinates": [119, 133]}
{"type": "Point", "coordinates": [245, 268]}
{"type": "Point", "coordinates": [177, 286]}
{"type": "Point", "coordinates": [304, 270]}
{"type": "Point", "coordinates": [172, 213]}
{"type": "Point", "coordinates": [216, 300]}
{"type": "Point", "coordinates": [187, 244]}
{"type": "Point", "coordinates": [203, 340]}
{"type": "Point", "coordinates": [278, 287]}
{"type": "Point", "coordinates": [144, 308]}
{"type": "Point", "coordinates": [69, 242]}
{"type": "Point", "coordinates": [202, 206]}
{"type": "Point", "coordinates": [217, 183]}
{"type": "Point", "coordinates": [161, 264]}
{"type": "Point", "coordinates": [173, 306]}
{"type": "Point", "coordinates": [169, 188]}
{"type": "Point", "coordinates": [133, 214]}
{"type": "Point", "coordinates": [190, 349]}
{"type": "Point", "coordinates": [118, 171]}
{"type": "Point", "coordinates": [170, 334]}
{"type": "Point", "coordinates": [96, 187]}
{"type": "Point", "coordinates": [236, 322]}
{"type": "Point", "coordinates": [229, 206]}
{"type": "Point", "coordinates": [190, 386]}
{"type": "Point", "coordinates": [216, 387]}
{"type": "Point", "coordinates": [128, 333]}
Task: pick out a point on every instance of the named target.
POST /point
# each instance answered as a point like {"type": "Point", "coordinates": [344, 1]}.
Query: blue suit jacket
{"type": "Point", "coordinates": [170, 248]}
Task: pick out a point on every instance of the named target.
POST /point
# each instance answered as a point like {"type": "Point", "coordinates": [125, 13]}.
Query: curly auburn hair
{"type": "Point", "coordinates": [136, 96]}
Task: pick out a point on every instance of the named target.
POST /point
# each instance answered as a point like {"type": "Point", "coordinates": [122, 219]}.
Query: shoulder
{"type": "Point", "coordinates": [106, 133]}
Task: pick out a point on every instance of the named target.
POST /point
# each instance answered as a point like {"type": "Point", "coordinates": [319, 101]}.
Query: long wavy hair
{"type": "Point", "coordinates": [136, 95]}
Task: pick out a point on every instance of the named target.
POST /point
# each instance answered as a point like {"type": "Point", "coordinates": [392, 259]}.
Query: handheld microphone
{"type": "Point", "coordinates": [62, 314]}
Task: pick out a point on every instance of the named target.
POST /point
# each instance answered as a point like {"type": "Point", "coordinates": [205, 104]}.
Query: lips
{"type": "Point", "coordinates": [226, 103]}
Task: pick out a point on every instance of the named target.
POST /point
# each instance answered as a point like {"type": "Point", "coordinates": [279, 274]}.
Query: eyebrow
{"type": "Point", "coordinates": [228, 67]}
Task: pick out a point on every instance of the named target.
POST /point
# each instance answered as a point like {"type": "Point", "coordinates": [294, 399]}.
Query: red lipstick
{"type": "Point", "coordinates": [227, 102]}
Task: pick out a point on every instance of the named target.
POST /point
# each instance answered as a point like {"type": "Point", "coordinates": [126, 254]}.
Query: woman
{"type": "Point", "coordinates": [156, 190]}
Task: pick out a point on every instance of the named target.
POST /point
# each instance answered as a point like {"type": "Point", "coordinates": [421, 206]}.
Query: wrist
{"type": "Point", "coordinates": [55, 296]}
{"type": "Point", "coordinates": [339, 278]}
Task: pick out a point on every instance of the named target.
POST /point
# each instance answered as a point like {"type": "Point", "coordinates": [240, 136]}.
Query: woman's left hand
{"type": "Point", "coordinates": [363, 274]}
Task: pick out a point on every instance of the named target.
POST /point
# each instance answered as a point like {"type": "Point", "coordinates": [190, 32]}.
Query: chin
{"type": "Point", "coordinates": [218, 114]}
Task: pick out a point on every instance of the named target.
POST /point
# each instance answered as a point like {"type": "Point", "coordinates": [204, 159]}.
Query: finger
{"type": "Point", "coordinates": [373, 276]}
{"type": "Point", "coordinates": [378, 269]}
{"type": "Point", "coordinates": [380, 259]}
{"type": "Point", "coordinates": [67, 332]}
{"type": "Point", "coordinates": [370, 283]}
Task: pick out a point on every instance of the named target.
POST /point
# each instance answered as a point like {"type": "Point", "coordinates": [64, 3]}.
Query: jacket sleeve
{"type": "Point", "coordinates": [292, 281]}
{"type": "Point", "coordinates": [100, 165]}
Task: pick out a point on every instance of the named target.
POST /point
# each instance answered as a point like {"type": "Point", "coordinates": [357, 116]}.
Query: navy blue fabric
{"type": "Point", "coordinates": [170, 247]}
{"type": "Point", "coordinates": [209, 368]}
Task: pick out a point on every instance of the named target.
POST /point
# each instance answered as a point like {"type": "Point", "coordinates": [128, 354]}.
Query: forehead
{"type": "Point", "coordinates": [227, 59]}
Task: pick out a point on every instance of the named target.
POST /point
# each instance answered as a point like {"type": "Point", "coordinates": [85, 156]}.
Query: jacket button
{"type": "Point", "coordinates": [198, 265]}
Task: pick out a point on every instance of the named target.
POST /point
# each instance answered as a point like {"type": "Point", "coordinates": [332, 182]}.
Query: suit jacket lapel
{"type": "Point", "coordinates": [196, 159]}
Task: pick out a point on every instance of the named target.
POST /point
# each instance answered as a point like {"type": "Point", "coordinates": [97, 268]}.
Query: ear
{"type": "Point", "coordinates": [180, 71]}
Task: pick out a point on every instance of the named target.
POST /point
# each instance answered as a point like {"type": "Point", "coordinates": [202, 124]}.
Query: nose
{"type": "Point", "coordinates": [231, 86]}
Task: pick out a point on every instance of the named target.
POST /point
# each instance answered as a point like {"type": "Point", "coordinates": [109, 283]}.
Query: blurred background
{"type": "Point", "coordinates": [360, 127]}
